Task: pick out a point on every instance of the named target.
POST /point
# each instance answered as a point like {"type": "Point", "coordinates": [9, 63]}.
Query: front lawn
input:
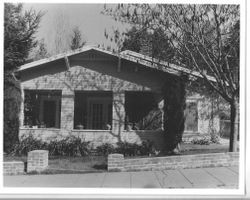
{"type": "Point", "coordinates": [87, 164]}
{"type": "Point", "coordinates": [189, 148]}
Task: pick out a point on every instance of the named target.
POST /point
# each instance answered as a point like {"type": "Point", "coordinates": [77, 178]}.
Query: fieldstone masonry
{"type": "Point", "coordinates": [67, 109]}
{"type": "Point", "coordinates": [37, 160]}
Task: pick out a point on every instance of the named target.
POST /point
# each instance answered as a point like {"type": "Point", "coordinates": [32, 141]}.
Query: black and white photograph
{"type": "Point", "coordinates": [117, 98]}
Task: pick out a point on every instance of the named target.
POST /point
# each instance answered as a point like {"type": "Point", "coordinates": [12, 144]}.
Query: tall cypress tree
{"type": "Point", "coordinates": [19, 39]}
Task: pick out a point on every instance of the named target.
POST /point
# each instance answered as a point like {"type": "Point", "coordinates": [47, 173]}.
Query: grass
{"type": "Point", "coordinates": [79, 163]}
{"type": "Point", "coordinates": [189, 149]}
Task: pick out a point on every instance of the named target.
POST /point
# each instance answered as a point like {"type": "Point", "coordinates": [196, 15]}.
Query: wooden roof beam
{"type": "Point", "coordinates": [119, 64]}
{"type": "Point", "coordinates": [67, 62]}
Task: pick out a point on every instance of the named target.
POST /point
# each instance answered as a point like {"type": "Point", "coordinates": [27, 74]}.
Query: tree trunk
{"type": "Point", "coordinates": [234, 125]}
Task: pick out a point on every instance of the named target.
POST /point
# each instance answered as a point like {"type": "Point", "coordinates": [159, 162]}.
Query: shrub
{"type": "Point", "coordinates": [215, 138]}
{"type": "Point", "coordinates": [133, 149]}
{"type": "Point", "coordinates": [127, 149]}
{"type": "Point", "coordinates": [70, 146]}
{"type": "Point", "coordinates": [202, 141]}
{"type": "Point", "coordinates": [147, 148]}
{"type": "Point", "coordinates": [26, 144]}
{"type": "Point", "coordinates": [105, 149]}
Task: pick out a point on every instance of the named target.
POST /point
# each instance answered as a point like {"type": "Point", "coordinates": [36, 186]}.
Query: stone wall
{"type": "Point", "coordinates": [13, 168]}
{"type": "Point", "coordinates": [96, 137]}
{"type": "Point", "coordinates": [116, 162]}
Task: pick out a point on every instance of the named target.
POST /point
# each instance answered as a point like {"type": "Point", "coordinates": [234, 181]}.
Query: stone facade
{"type": "Point", "coordinates": [116, 162]}
{"type": "Point", "coordinates": [98, 137]}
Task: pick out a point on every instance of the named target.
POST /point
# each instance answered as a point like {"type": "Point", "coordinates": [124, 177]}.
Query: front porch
{"type": "Point", "coordinates": [96, 116]}
{"type": "Point", "coordinates": [92, 110]}
{"type": "Point", "coordinates": [99, 116]}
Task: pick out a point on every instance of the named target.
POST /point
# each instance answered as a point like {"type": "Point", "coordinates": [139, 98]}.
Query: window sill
{"type": "Point", "coordinates": [143, 131]}
{"type": "Point", "coordinates": [51, 129]}
{"type": "Point", "coordinates": [90, 130]}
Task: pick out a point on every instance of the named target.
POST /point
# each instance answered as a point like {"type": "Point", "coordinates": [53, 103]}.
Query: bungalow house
{"type": "Point", "coordinates": [102, 97]}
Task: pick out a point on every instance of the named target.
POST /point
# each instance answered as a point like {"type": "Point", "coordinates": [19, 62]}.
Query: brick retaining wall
{"type": "Point", "coordinates": [13, 167]}
{"type": "Point", "coordinates": [116, 162]}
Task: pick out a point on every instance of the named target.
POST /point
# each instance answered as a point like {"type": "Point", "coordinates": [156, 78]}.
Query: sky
{"type": "Point", "coordinates": [87, 17]}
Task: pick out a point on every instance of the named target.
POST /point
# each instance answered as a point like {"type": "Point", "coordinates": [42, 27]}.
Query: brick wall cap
{"type": "Point", "coordinates": [115, 155]}
{"type": "Point", "coordinates": [39, 151]}
{"type": "Point", "coordinates": [184, 156]}
{"type": "Point", "coordinates": [13, 162]}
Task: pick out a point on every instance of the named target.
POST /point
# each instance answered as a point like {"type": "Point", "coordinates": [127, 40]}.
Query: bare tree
{"type": "Point", "coordinates": [59, 36]}
{"type": "Point", "coordinates": [204, 37]}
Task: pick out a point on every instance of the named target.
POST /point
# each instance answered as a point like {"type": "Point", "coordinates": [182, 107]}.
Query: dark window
{"type": "Point", "coordinates": [191, 113]}
{"type": "Point", "coordinates": [42, 108]}
{"type": "Point", "coordinates": [142, 112]}
{"type": "Point", "coordinates": [93, 110]}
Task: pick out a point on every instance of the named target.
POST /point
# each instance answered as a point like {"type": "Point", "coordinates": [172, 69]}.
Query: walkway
{"type": "Point", "coordinates": [217, 177]}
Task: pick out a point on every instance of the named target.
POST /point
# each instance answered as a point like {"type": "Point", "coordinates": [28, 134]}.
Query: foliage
{"type": "Point", "coordinates": [64, 35]}
{"type": "Point", "coordinates": [12, 97]}
{"type": "Point", "coordinates": [69, 146]}
{"type": "Point", "coordinates": [127, 149]}
{"type": "Point", "coordinates": [133, 149]}
{"type": "Point", "coordinates": [19, 30]}
{"type": "Point", "coordinates": [76, 39]}
{"type": "Point", "coordinates": [205, 140]}
{"type": "Point", "coordinates": [40, 52]}
{"type": "Point", "coordinates": [152, 121]}
{"type": "Point", "coordinates": [214, 137]}
{"type": "Point", "coordinates": [174, 119]}
{"type": "Point", "coordinates": [75, 146]}
{"type": "Point", "coordinates": [154, 44]}
{"type": "Point", "coordinates": [205, 38]}
{"type": "Point", "coordinates": [105, 149]}
{"type": "Point", "coordinates": [27, 144]}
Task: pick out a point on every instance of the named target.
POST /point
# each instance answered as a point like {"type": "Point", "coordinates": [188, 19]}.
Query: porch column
{"type": "Point", "coordinates": [21, 114]}
{"type": "Point", "coordinates": [67, 110]}
{"type": "Point", "coordinates": [118, 112]}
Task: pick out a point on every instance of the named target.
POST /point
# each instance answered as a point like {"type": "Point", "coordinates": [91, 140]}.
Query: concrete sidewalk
{"type": "Point", "coordinates": [216, 177]}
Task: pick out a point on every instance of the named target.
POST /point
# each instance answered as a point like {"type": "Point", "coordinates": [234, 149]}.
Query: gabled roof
{"type": "Point", "coordinates": [126, 55]}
